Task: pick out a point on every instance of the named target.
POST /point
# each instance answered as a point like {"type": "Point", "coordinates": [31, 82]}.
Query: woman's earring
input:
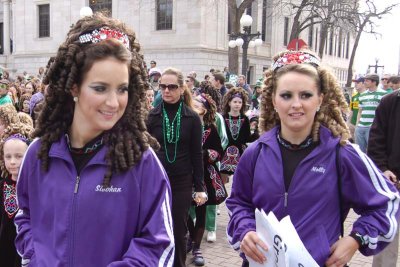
{"type": "Point", "coordinates": [75, 99]}
{"type": "Point", "coordinates": [318, 109]}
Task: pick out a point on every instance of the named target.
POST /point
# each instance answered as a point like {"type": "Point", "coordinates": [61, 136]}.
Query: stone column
{"type": "Point", "coordinates": [6, 27]}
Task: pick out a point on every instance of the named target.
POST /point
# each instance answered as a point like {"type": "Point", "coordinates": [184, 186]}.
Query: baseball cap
{"type": "Point", "coordinates": [372, 77]}
{"type": "Point", "coordinates": [359, 80]}
{"type": "Point", "coordinates": [153, 62]}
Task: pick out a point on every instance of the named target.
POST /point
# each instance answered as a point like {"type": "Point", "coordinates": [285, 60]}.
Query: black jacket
{"type": "Point", "coordinates": [384, 136]}
{"type": "Point", "coordinates": [188, 152]}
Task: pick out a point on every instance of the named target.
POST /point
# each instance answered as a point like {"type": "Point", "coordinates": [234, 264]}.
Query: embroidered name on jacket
{"type": "Point", "coordinates": [318, 169]}
{"type": "Point", "coordinates": [110, 189]}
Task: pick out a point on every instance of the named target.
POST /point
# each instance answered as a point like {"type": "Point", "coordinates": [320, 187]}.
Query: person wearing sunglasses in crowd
{"type": "Point", "coordinates": [177, 128]}
{"type": "Point", "coordinates": [4, 97]}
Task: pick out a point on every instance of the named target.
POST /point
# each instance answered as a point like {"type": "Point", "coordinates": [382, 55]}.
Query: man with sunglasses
{"type": "Point", "coordinates": [4, 97]}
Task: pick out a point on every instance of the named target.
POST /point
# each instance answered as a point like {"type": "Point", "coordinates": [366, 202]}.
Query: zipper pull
{"type": "Point", "coordinates": [285, 201]}
{"type": "Point", "coordinates": [78, 178]}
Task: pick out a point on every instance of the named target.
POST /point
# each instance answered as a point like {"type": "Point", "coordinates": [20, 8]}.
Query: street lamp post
{"type": "Point", "coordinates": [376, 66]}
{"type": "Point", "coordinates": [245, 39]}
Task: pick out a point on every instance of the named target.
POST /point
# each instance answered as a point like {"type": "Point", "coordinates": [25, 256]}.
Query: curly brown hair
{"type": "Point", "coordinates": [209, 117]}
{"type": "Point", "coordinates": [128, 138]}
{"type": "Point", "coordinates": [17, 128]}
{"type": "Point", "coordinates": [207, 88]}
{"type": "Point", "coordinates": [332, 107]}
{"type": "Point", "coordinates": [229, 96]}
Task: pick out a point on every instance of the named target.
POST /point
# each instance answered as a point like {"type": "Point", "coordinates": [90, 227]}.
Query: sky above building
{"type": "Point", "coordinates": [386, 47]}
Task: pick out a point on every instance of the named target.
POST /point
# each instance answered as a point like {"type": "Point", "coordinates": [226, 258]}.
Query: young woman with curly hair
{"type": "Point", "coordinates": [237, 128]}
{"type": "Point", "coordinates": [12, 149]}
{"type": "Point", "coordinates": [205, 106]}
{"type": "Point", "coordinates": [90, 182]}
{"type": "Point", "coordinates": [304, 166]}
{"type": "Point", "coordinates": [177, 128]}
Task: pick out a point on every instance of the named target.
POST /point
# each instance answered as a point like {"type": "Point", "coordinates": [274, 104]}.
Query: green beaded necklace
{"type": "Point", "coordinates": [171, 131]}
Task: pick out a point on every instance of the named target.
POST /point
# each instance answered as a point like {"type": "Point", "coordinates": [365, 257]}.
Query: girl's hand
{"type": "Point", "coordinates": [200, 198]}
{"type": "Point", "coordinates": [249, 248]}
{"type": "Point", "coordinates": [342, 252]}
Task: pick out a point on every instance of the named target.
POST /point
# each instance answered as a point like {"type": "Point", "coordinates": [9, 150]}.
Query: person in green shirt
{"type": "Point", "coordinates": [4, 97]}
{"type": "Point", "coordinates": [368, 102]}
{"type": "Point", "coordinates": [360, 88]}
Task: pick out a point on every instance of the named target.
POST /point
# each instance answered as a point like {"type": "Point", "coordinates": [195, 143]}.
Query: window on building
{"type": "Point", "coordinates": [164, 14]}
{"type": "Point", "coordinates": [1, 38]}
{"type": "Point", "coordinates": [44, 20]}
{"type": "Point", "coordinates": [340, 43]}
{"type": "Point", "coordinates": [249, 11]}
{"type": "Point", "coordinates": [347, 45]}
{"type": "Point", "coordinates": [264, 20]}
{"type": "Point", "coordinates": [331, 36]}
{"type": "Point", "coordinates": [310, 36]}
{"type": "Point", "coordinates": [229, 23]}
{"type": "Point", "coordinates": [101, 5]}
{"type": "Point", "coordinates": [286, 31]}
{"type": "Point", "coordinates": [316, 39]}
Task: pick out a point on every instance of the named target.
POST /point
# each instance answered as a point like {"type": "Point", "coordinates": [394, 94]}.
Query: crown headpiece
{"type": "Point", "coordinates": [295, 57]}
{"type": "Point", "coordinates": [104, 33]}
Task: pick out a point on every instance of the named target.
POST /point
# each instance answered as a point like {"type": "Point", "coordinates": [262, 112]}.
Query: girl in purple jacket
{"type": "Point", "coordinates": [304, 166]}
{"type": "Point", "coordinates": [91, 191]}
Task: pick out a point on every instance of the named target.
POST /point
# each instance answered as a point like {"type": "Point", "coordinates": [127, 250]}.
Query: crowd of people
{"type": "Point", "coordinates": [105, 162]}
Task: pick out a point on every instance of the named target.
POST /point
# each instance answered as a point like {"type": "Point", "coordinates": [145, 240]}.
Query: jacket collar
{"type": "Point", "coordinates": [59, 149]}
{"type": "Point", "coordinates": [186, 112]}
{"type": "Point", "coordinates": [326, 138]}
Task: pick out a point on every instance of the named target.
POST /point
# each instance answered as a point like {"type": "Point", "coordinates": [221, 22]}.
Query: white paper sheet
{"type": "Point", "coordinates": [285, 247]}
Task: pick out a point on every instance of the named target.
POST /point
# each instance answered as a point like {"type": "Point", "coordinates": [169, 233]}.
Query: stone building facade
{"type": "Point", "coordinates": [187, 34]}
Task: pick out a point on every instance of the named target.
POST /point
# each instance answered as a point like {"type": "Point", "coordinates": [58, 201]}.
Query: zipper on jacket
{"type": "Point", "coordinates": [285, 200]}
{"type": "Point", "coordinates": [72, 227]}
{"type": "Point", "coordinates": [78, 178]}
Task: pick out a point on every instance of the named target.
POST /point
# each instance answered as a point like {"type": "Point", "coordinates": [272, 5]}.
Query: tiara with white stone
{"type": "Point", "coordinates": [102, 34]}
{"type": "Point", "coordinates": [295, 57]}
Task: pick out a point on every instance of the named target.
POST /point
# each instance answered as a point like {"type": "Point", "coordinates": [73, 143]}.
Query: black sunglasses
{"type": "Point", "coordinates": [170, 87]}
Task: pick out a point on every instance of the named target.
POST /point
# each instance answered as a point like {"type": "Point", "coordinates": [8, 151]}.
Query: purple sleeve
{"type": "Point", "coordinates": [372, 196]}
{"type": "Point", "coordinates": [240, 206]}
{"type": "Point", "coordinates": [154, 244]}
{"type": "Point", "coordinates": [23, 241]}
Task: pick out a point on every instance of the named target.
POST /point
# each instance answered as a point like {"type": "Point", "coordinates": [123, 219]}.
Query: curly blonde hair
{"type": "Point", "coordinates": [229, 96]}
{"type": "Point", "coordinates": [25, 119]}
{"type": "Point", "coordinates": [9, 119]}
{"type": "Point", "coordinates": [332, 107]}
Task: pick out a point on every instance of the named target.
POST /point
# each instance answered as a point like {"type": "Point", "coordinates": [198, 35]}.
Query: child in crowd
{"type": "Point", "coordinates": [12, 150]}
{"type": "Point", "coordinates": [24, 103]}
{"type": "Point", "coordinates": [237, 128]}
{"type": "Point", "coordinates": [212, 150]}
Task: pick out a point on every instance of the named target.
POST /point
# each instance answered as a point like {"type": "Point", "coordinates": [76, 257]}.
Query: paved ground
{"type": "Point", "coordinates": [221, 254]}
